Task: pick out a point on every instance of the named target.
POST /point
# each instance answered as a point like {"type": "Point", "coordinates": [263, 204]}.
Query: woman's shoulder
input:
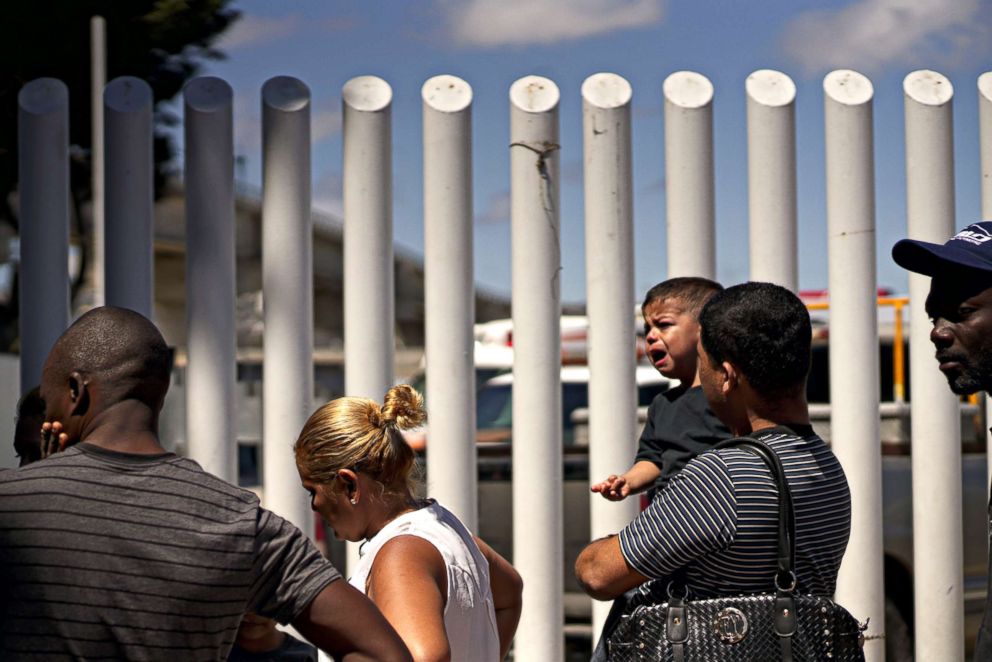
{"type": "Point", "coordinates": [409, 554]}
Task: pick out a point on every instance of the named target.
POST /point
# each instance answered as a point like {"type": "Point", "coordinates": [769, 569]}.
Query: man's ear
{"type": "Point", "coordinates": [79, 393]}
{"type": "Point", "coordinates": [731, 378]}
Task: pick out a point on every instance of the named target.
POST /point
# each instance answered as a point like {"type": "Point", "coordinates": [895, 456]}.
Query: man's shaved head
{"type": "Point", "coordinates": [117, 348]}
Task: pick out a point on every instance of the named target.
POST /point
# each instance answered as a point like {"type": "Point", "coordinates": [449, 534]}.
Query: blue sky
{"type": "Point", "coordinates": [491, 43]}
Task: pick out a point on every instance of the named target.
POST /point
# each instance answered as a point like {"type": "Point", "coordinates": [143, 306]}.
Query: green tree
{"type": "Point", "coordinates": [160, 41]}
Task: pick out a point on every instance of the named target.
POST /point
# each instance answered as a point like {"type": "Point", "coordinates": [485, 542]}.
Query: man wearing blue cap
{"type": "Point", "coordinates": [960, 305]}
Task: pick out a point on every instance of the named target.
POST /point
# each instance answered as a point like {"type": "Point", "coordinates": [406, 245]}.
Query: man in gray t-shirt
{"type": "Point", "coordinates": [116, 549]}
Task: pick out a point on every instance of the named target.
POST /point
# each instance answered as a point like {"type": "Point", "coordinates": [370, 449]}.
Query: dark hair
{"type": "Point", "coordinates": [692, 291]}
{"type": "Point", "coordinates": [27, 430]}
{"type": "Point", "coordinates": [763, 330]}
{"type": "Point", "coordinates": [121, 349]}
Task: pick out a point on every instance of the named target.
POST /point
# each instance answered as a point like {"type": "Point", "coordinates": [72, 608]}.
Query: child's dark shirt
{"type": "Point", "coordinates": [680, 426]}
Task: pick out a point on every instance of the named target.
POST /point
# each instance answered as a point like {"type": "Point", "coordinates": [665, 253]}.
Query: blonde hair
{"type": "Point", "coordinates": [361, 435]}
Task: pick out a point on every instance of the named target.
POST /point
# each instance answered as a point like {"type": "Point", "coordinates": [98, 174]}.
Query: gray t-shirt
{"type": "Point", "coordinates": [108, 555]}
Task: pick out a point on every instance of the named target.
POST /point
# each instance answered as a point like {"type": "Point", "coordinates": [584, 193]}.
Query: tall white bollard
{"type": "Point", "coordinates": [771, 176]}
{"type": "Point", "coordinates": [985, 148]}
{"type": "Point", "coordinates": [936, 423]}
{"type": "Point", "coordinates": [537, 432]}
{"type": "Point", "coordinates": [129, 271]}
{"type": "Point", "coordinates": [98, 79]}
{"type": "Point", "coordinates": [43, 168]}
{"type": "Point", "coordinates": [854, 394]}
{"type": "Point", "coordinates": [689, 182]}
{"type": "Point", "coordinates": [211, 336]}
{"type": "Point", "coordinates": [610, 286]}
{"type": "Point", "coordinates": [449, 296]}
{"type": "Point", "coordinates": [369, 316]}
{"type": "Point", "coordinates": [287, 290]}
{"type": "Point", "coordinates": [985, 140]}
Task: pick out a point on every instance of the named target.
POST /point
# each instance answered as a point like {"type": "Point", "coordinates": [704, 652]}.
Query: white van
{"type": "Point", "coordinates": [494, 401]}
{"type": "Point", "coordinates": [494, 396]}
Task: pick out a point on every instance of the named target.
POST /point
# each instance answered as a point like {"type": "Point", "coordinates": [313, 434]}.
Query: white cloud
{"type": "Point", "coordinates": [490, 23]}
{"type": "Point", "coordinates": [250, 30]}
{"type": "Point", "coordinates": [870, 34]}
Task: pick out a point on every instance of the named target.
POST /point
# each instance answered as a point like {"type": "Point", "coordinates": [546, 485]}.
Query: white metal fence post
{"type": "Point", "coordinates": [98, 79]}
{"type": "Point", "coordinates": [606, 139]}
{"type": "Point", "coordinates": [452, 474]}
{"type": "Point", "coordinates": [985, 140]}
{"type": "Point", "coordinates": [771, 175]}
{"type": "Point", "coordinates": [537, 431]}
{"type": "Point", "coordinates": [43, 168]}
{"type": "Point", "coordinates": [130, 264]}
{"type": "Point", "coordinates": [689, 179]}
{"type": "Point", "coordinates": [985, 149]}
{"type": "Point", "coordinates": [211, 336]}
{"type": "Point", "coordinates": [369, 316]}
{"type": "Point", "coordinates": [287, 290]}
{"type": "Point", "coordinates": [936, 418]}
{"type": "Point", "coordinates": [854, 394]}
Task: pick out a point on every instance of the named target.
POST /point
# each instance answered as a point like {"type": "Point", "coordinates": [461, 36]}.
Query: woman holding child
{"type": "Point", "coordinates": [448, 595]}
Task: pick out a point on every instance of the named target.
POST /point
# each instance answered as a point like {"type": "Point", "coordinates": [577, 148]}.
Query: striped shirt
{"type": "Point", "coordinates": [108, 555]}
{"type": "Point", "coordinates": [718, 519]}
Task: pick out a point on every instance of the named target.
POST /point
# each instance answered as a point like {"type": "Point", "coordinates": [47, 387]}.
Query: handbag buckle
{"type": "Point", "coordinates": [730, 625]}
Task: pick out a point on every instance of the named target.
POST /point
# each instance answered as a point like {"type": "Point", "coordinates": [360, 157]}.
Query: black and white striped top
{"type": "Point", "coordinates": [718, 519]}
{"type": "Point", "coordinates": [107, 555]}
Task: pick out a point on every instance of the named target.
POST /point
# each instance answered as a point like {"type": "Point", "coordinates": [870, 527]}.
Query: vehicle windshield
{"type": "Point", "coordinates": [494, 407]}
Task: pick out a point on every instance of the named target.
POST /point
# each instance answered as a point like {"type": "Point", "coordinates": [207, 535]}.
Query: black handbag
{"type": "Point", "coordinates": [759, 627]}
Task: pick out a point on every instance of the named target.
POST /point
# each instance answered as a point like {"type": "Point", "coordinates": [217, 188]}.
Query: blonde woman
{"type": "Point", "coordinates": [448, 595]}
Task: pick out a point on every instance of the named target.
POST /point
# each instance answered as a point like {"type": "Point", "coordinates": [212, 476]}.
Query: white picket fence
{"type": "Point", "coordinates": [534, 157]}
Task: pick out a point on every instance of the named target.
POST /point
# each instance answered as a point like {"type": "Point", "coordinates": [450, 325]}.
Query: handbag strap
{"type": "Point", "coordinates": [785, 622]}
{"type": "Point", "coordinates": [785, 579]}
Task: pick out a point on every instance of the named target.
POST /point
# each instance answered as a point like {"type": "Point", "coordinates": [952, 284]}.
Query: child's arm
{"type": "Point", "coordinates": [637, 479]}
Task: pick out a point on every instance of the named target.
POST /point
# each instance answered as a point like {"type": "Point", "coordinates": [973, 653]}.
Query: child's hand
{"type": "Point", "coordinates": [614, 488]}
{"type": "Point", "coordinates": [53, 439]}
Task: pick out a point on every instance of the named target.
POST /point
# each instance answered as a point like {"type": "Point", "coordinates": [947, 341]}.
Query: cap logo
{"type": "Point", "coordinates": [973, 234]}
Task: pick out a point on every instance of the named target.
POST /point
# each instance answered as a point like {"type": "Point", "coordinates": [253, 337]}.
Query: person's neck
{"type": "Point", "coordinates": [128, 426]}
{"type": "Point", "coordinates": [389, 508]}
{"type": "Point", "coordinates": [793, 410]}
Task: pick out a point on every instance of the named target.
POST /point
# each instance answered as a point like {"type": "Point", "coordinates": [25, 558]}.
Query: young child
{"type": "Point", "coordinates": [27, 430]}
{"type": "Point", "coordinates": [680, 425]}
{"type": "Point", "coordinates": [259, 640]}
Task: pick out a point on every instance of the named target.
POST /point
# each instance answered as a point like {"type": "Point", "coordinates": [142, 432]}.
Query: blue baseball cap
{"type": "Point", "coordinates": [969, 249]}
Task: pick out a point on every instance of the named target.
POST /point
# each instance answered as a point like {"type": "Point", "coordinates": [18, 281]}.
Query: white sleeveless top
{"type": "Point", "coordinates": [469, 615]}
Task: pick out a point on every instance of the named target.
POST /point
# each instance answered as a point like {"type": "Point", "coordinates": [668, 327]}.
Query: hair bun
{"type": "Point", "coordinates": [403, 408]}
